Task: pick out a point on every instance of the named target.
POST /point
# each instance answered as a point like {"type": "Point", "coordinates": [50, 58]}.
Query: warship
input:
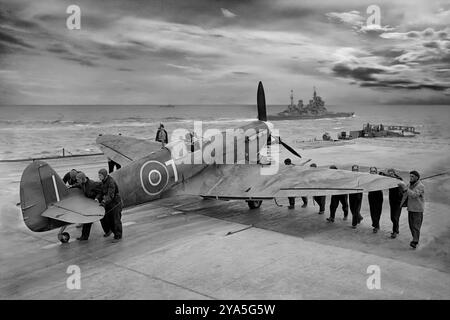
{"type": "Point", "coordinates": [315, 109]}
{"type": "Point", "coordinates": [377, 131]}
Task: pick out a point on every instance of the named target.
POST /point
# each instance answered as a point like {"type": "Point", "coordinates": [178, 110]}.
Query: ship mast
{"type": "Point", "coordinates": [292, 98]}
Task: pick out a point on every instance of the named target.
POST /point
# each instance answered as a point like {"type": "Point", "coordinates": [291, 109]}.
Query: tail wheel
{"type": "Point", "coordinates": [64, 237]}
{"type": "Point", "coordinates": [254, 204]}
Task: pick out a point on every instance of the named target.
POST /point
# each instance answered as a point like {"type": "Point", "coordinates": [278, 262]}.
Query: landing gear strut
{"type": "Point", "coordinates": [254, 204]}
{"type": "Point", "coordinates": [64, 237]}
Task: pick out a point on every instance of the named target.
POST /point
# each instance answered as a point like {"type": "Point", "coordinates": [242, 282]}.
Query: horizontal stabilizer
{"type": "Point", "coordinates": [76, 208]}
{"type": "Point", "coordinates": [124, 150]}
{"type": "Point", "coordinates": [47, 203]}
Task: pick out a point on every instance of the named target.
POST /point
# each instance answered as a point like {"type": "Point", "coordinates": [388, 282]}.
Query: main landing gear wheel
{"type": "Point", "coordinates": [254, 204]}
{"type": "Point", "coordinates": [64, 237]}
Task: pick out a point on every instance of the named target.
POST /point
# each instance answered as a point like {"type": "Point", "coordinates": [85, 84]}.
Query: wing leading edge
{"type": "Point", "coordinates": [246, 182]}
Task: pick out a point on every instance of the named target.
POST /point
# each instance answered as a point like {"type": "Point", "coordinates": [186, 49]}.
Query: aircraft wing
{"type": "Point", "coordinates": [76, 208]}
{"type": "Point", "coordinates": [318, 144]}
{"type": "Point", "coordinates": [124, 150]}
{"type": "Point", "coordinates": [246, 182]}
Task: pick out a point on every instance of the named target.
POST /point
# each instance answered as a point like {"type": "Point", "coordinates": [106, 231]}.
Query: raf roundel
{"type": "Point", "coordinates": [154, 177]}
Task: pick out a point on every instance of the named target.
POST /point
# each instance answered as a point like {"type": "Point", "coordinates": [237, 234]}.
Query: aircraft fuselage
{"type": "Point", "coordinates": [147, 179]}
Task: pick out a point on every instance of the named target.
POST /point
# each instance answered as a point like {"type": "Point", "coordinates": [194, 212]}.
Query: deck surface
{"type": "Point", "coordinates": [190, 248]}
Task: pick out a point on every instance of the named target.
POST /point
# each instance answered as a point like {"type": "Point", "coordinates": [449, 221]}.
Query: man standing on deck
{"type": "Point", "coordinates": [291, 199]}
{"type": "Point", "coordinates": [375, 204]}
{"type": "Point", "coordinates": [320, 200]}
{"type": "Point", "coordinates": [414, 193]}
{"type": "Point", "coordinates": [161, 135]}
{"type": "Point", "coordinates": [335, 199]}
{"type": "Point", "coordinates": [395, 201]}
{"type": "Point", "coordinates": [355, 200]}
{"type": "Point", "coordinates": [110, 199]}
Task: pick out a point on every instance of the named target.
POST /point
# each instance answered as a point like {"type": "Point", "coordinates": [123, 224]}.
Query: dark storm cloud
{"type": "Point", "coordinates": [90, 21]}
{"type": "Point", "coordinates": [116, 53]}
{"type": "Point", "coordinates": [366, 77]}
{"type": "Point", "coordinates": [405, 84]}
{"type": "Point", "coordinates": [16, 34]}
{"type": "Point", "coordinates": [198, 46]}
{"type": "Point", "coordinates": [9, 39]}
{"type": "Point", "coordinates": [69, 53]}
{"type": "Point", "coordinates": [7, 49]}
{"type": "Point", "coordinates": [84, 61]}
{"type": "Point", "coordinates": [388, 52]}
{"type": "Point", "coordinates": [8, 18]}
{"type": "Point", "coordinates": [241, 73]}
{"type": "Point", "coordinates": [357, 73]}
{"type": "Point", "coordinates": [58, 48]}
{"type": "Point", "coordinates": [431, 44]}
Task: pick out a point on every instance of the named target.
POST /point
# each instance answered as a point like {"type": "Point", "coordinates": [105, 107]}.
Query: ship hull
{"type": "Point", "coordinates": [309, 117]}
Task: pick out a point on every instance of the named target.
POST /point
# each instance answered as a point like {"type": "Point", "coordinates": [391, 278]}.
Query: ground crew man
{"type": "Point", "coordinates": [291, 199]}
{"type": "Point", "coordinates": [70, 177]}
{"type": "Point", "coordinates": [320, 200]}
{"type": "Point", "coordinates": [109, 198]}
{"type": "Point", "coordinates": [355, 200]}
{"type": "Point", "coordinates": [305, 202]}
{"type": "Point", "coordinates": [414, 193]}
{"type": "Point", "coordinates": [161, 135]}
{"type": "Point", "coordinates": [91, 189]}
{"type": "Point", "coordinates": [395, 200]}
{"type": "Point", "coordinates": [335, 199]}
{"type": "Point", "coordinates": [375, 204]}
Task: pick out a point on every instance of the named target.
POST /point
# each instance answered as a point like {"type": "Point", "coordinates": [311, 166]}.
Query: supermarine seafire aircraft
{"type": "Point", "coordinates": [150, 172]}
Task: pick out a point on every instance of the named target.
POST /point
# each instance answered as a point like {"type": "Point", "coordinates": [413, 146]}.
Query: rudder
{"type": "Point", "coordinates": [40, 186]}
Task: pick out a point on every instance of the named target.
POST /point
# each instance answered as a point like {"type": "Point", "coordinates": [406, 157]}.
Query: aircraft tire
{"type": "Point", "coordinates": [64, 237]}
{"type": "Point", "coordinates": [254, 204]}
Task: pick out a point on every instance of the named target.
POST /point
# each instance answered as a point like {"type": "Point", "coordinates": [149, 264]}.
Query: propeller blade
{"type": "Point", "coordinates": [261, 103]}
{"type": "Point", "coordinates": [289, 148]}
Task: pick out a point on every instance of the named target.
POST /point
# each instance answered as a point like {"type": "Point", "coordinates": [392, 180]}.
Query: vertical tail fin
{"type": "Point", "coordinates": [40, 186]}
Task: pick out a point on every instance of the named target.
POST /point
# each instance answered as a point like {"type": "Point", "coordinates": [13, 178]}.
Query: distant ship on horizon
{"type": "Point", "coordinates": [167, 106]}
{"type": "Point", "coordinates": [315, 109]}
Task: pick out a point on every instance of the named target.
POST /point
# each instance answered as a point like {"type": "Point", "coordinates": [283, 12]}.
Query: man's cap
{"type": "Point", "coordinates": [103, 172]}
{"type": "Point", "coordinates": [81, 175]}
{"type": "Point", "coordinates": [313, 165]}
{"type": "Point", "coordinates": [73, 173]}
{"type": "Point", "coordinates": [414, 172]}
{"type": "Point", "coordinates": [333, 167]}
{"type": "Point", "coordinates": [287, 161]}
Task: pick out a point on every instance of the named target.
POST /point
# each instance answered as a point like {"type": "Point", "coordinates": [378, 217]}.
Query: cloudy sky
{"type": "Point", "coordinates": [211, 51]}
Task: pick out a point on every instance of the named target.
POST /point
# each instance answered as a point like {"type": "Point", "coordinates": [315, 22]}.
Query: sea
{"type": "Point", "coordinates": [44, 131]}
